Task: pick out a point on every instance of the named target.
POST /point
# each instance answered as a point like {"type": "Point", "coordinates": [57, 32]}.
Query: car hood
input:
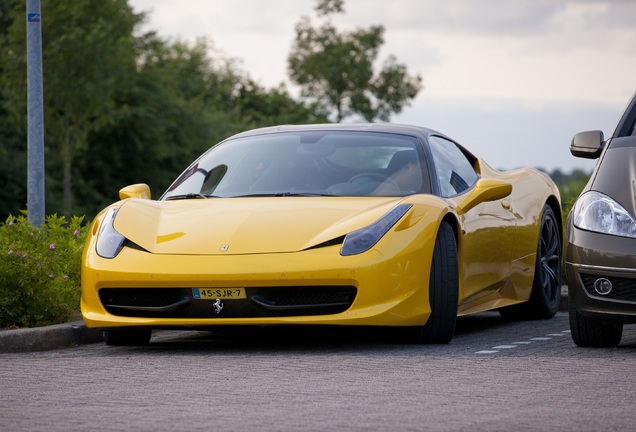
{"type": "Point", "coordinates": [230, 226]}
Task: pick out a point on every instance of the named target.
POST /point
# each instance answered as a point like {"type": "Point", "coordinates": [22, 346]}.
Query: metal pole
{"type": "Point", "coordinates": [35, 113]}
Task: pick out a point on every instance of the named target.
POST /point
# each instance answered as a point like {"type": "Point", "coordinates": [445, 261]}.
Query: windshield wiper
{"type": "Point", "coordinates": [189, 196]}
{"type": "Point", "coordinates": [300, 194]}
{"type": "Point", "coordinates": [283, 194]}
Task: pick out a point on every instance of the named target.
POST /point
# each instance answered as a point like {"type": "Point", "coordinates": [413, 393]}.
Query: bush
{"type": "Point", "coordinates": [40, 270]}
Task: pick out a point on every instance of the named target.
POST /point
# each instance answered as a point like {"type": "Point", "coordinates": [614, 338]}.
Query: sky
{"type": "Point", "coordinates": [510, 80]}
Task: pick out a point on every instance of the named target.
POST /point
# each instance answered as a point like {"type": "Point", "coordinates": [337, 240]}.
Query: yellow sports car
{"type": "Point", "coordinates": [337, 224]}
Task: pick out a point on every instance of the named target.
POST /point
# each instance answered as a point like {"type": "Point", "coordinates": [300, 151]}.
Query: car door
{"type": "Point", "coordinates": [487, 230]}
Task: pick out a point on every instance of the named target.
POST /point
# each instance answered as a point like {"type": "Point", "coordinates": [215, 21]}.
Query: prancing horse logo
{"type": "Point", "coordinates": [218, 306]}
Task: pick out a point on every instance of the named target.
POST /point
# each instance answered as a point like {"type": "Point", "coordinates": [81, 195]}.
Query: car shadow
{"type": "Point", "coordinates": [311, 338]}
{"type": "Point", "coordinates": [473, 333]}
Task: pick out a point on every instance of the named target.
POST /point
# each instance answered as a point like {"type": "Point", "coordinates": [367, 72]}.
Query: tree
{"type": "Point", "coordinates": [13, 132]}
{"type": "Point", "coordinates": [258, 107]}
{"type": "Point", "coordinates": [162, 120]}
{"type": "Point", "coordinates": [120, 107]}
{"type": "Point", "coordinates": [570, 185]}
{"type": "Point", "coordinates": [336, 69]}
{"type": "Point", "coordinates": [87, 52]}
{"type": "Point", "coordinates": [183, 99]}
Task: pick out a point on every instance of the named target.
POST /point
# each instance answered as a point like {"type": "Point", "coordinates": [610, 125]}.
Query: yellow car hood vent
{"type": "Point", "coordinates": [230, 226]}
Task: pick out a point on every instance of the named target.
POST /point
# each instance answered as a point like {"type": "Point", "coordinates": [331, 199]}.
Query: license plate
{"type": "Point", "coordinates": [218, 293]}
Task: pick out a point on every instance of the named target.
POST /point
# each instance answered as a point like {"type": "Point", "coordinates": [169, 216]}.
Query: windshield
{"type": "Point", "coordinates": [307, 163]}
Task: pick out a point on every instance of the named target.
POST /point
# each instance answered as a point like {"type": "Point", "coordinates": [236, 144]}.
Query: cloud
{"type": "Point", "coordinates": [481, 17]}
{"type": "Point", "coordinates": [509, 135]}
{"type": "Point", "coordinates": [516, 76]}
{"type": "Point", "coordinates": [494, 17]}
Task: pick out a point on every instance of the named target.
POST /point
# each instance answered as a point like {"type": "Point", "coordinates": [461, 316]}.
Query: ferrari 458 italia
{"type": "Point", "coordinates": [337, 224]}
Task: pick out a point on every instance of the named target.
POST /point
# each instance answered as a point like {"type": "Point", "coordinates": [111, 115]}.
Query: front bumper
{"type": "Point", "coordinates": [592, 257]}
{"type": "Point", "coordinates": [366, 289]}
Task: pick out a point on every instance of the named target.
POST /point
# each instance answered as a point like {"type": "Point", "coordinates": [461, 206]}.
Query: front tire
{"type": "Point", "coordinates": [127, 336]}
{"type": "Point", "coordinates": [545, 297]}
{"type": "Point", "coordinates": [443, 289]}
{"type": "Point", "coordinates": [593, 332]}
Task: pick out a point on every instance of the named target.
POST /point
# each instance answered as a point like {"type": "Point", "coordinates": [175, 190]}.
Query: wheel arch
{"type": "Point", "coordinates": [554, 204]}
{"type": "Point", "coordinates": [452, 220]}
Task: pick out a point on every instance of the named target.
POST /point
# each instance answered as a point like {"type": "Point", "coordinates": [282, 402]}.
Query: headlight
{"type": "Point", "coordinates": [597, 212]}
{"type": "Point", "coordinates": [109, 241]}
{"type": "Point", "coordinates": [363, 239]}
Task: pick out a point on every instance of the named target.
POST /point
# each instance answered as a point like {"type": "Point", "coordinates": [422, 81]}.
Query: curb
{"type": "Point", "coordinates": [48, 338]}
{"type": "Point", "coordinates": [76, 333]}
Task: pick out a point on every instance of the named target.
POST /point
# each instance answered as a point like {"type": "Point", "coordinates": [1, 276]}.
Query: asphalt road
{"type": "Point", "coordinates": [494, 376]}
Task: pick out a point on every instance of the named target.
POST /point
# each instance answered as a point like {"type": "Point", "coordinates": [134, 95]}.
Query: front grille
{"type": "Point", "coordinates": [150, 298]}
{"type": "Point", "coordinates": [622, 288]}
{"type": "Point", "coordinates": [307, 296]}
{"type": "Point", "coordinates": [260, 302]}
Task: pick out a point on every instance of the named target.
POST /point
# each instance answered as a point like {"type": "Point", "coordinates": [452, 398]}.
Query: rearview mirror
{"type": "Point", "coordinates": [587, 145]}
{"type": "Point", "coordinates": [485, 190]}
{"type": "Point", "coordinates": [139, 190]}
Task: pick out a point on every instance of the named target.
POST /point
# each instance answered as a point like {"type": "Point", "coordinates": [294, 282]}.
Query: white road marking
{"type": "Point", "coordinates": [497, 348]}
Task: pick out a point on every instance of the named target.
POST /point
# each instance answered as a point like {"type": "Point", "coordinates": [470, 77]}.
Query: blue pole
{"type": "Point", "coordinates": [35, 114]}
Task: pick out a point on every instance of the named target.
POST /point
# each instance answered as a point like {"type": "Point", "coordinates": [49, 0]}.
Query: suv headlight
{"type": "Point", "coordinates": [363, 239]}
{"type": "Point", "coordinates": [597, 212]}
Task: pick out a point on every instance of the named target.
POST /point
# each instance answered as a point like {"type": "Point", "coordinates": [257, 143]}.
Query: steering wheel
{"type": "Point", "coordinates": [373, 176]}
{"type": "Point", "coordinates": [386, 185]}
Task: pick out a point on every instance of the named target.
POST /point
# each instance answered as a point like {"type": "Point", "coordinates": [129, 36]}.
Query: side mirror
{"type": "Point", "coordinates": [587, 145]}
{"type": "Point", "coordinates": [139, 190]}
{"type": "Point", "coordinates": [485, 190]}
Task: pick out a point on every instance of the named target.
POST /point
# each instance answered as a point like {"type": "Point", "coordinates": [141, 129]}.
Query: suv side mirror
{"type": "Point", "coordinates": [588, 144]}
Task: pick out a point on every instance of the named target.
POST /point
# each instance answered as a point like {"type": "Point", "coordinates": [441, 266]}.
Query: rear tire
{"type": "Point", "coordinates": [545, 297]}
{"type": "Point", "coordinates": [127, 337]}
{"type": "Point", "coordinates": [443, 289]}
{"type": "Point", "coordinates": [593, 332]}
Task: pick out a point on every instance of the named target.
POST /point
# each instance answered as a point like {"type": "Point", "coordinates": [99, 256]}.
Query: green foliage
{"type": "Point", "coordinates": [570, 187]}
{"type": "Point", "coordinates": [258, 107]}
{"type": "Point", "coordinates": [161, 122]}
{"type": "Point", "coordinates": [336, 69]}
{"type": "Point", "coordinates": [13, 156]}
{"type": "Point", "coordinates": [87, 51]}
{"type": "Point", "coordinates": [326, 7]}
{"type": "Point", "coordinates": [40, 270]}
{"type": "Point", "coordinates": [180, 102]}
{"type": "Point", "coordinates": [120, 107]}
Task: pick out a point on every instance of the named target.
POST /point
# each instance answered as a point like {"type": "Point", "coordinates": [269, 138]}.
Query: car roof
{"type": "Point", "coordinates": [418, 131]}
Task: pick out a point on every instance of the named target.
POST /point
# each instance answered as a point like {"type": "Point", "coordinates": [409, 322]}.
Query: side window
{"type": "Point", "coordinates": [454, 171]}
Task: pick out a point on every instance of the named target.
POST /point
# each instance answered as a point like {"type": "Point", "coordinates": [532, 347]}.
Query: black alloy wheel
{"type": "Point", "coordinates": [546, 287]}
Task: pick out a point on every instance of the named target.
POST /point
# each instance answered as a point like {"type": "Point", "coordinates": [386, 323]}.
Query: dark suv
{"type": "Point", "coordinates": [601, 237]}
